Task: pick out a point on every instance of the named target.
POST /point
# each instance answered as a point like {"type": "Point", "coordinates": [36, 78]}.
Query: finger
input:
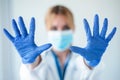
{"type": "Point", "coordinates": [22, 26]}
{"type": "Point", "coordinates": [32, 27]}
{"type": "Point", "coordinates": [96, 26]}
{"type": "Point", "coordinates": [87, 29]}
{"type": "Point", "coordinates": [43, 48]}
{"type": "Point", "coordinates": [10, 37]}
{"type": "Point", "coordinates": [15, 27]}
{"type": "Point", "coordinates": [104, 29]}
{"type": "Point", "coordinates": [78, 50]}
{"type": "Point", "coordinates": [110, 36]}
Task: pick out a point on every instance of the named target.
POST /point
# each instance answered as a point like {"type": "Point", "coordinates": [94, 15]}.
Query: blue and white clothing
{"type": "Point", "coordinates": [49, 69]}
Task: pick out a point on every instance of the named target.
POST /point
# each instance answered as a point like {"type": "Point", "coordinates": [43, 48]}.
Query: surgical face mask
{"type": "Point", "coordinates": [61, 40]}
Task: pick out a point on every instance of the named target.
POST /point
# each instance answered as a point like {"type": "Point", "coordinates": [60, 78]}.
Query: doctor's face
{"type": "Point", "coordinates": [60, 35]}
{"type": "Point", "coordinates": [59, 23]}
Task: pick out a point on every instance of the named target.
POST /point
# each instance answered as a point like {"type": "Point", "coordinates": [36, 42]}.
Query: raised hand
{"type": "Point", "coordinates": [24, 42]}
{"type": "Point", "coordinates": [96, 43]}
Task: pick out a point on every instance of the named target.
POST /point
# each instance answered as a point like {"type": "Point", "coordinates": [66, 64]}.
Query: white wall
{"type": "Point", "coordinates": [81, 9]}
{"type": "Point", "coordinates": [6, 51]}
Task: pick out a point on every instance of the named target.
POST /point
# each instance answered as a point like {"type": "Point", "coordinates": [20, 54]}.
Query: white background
{"type": "Point", "coordinates": [9, 58]}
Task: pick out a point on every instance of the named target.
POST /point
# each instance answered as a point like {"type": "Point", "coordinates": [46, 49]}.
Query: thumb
{"type": "Point", "coordinates": [42, 48]}
{"type": "Point", "coordinates": [78, 50]}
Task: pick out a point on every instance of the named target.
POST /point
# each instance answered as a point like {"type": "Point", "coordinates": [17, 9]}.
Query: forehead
{"type": "Point", "coordinates": [59, 20]}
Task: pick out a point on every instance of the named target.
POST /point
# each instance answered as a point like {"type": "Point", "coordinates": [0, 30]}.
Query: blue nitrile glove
{"type": "Point", "coordinates": [96, 43]}
{"type": "Point", "coordinates": [24, 42]}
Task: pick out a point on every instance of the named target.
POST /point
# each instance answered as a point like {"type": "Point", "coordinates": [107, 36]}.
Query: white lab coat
{"type": "Point", "coordinates": [47, 70]}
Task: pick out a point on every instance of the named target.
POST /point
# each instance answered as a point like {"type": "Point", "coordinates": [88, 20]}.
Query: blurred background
{"type": "Point", "coordinates": [9, 9]}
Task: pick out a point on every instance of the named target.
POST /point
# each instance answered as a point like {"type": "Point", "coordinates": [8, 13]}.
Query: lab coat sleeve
{"type": "Point", "coordinates": [97, 72]}
{"type": "Point", "coordinates": [37, 73]}
{"type": "Point", "coordinates": [89, 74]}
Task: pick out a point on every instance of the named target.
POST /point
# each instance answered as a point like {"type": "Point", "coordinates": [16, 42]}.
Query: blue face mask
{"type": "Point", "coordinates": [61, 40]}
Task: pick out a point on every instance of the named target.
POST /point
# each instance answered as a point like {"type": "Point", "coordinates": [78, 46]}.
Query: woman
{"type": "Point", "coordinates": [62, 61]}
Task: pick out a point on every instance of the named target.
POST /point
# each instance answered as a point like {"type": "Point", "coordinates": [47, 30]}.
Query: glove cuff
{"type": "Point", "coordinates": [92, 63]}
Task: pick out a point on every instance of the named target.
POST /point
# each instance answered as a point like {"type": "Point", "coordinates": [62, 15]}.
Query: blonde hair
{"type": "Point", "coordinates": [62, 10]}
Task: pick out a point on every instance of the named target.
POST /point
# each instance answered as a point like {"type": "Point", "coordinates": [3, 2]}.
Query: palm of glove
{"type": "Point", "coordinates": [95, 48]}
{"type": "Point", "coordinates": [25, 46]}
{"type": "Point", "coordinates": [96, 43]}
{"type": "Point", "coordinates": [24, 42]}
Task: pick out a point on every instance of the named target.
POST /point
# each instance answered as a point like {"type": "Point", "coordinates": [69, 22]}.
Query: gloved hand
{"type": "Point", "coordinates": [96, 43]}
{"type": "Point", "coordinates": [24, 42]}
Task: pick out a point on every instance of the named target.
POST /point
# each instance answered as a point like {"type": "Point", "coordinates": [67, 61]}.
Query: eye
{"type": "Point", "coordinates": [66, 27]}
{"type": "Point", "coordinates": [53, 28]}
